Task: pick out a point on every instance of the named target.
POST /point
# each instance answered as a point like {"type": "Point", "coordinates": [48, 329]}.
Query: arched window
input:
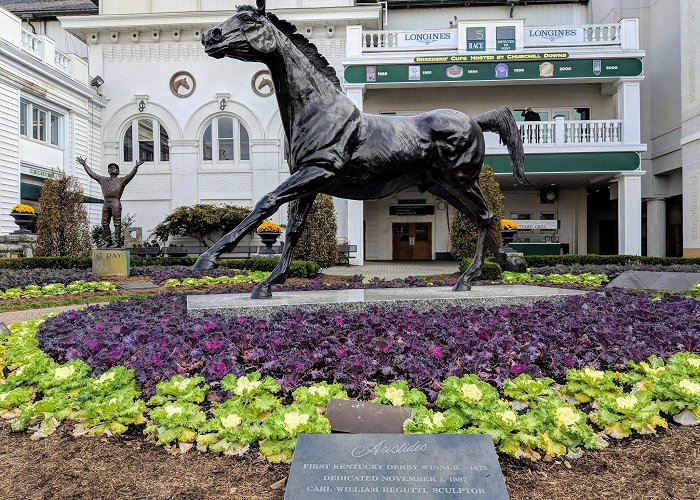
{"type": "Point", "coordinates": [225, 142]}
{"type": "Point", "coordinates": [146, 139]}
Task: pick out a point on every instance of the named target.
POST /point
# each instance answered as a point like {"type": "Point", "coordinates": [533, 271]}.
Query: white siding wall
{"type": "Point", "coordinates": [534, 15]}
{"type": "Point", "coordinates": [9, 155]}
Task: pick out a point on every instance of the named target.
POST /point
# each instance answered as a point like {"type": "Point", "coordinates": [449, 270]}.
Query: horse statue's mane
{"type": "Point", "coordinates": [302, 43]}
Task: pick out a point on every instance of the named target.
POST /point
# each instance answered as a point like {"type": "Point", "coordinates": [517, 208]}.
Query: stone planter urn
{"type": "Point", "coordinates": [268, 239]}
{"type": "Point", "coordinates": [24, 221]}
{"type": "Point", "coordinates": [508, 236]}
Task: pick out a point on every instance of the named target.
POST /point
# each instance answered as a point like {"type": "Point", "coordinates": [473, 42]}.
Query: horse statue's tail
{"type": "Point", "coordinates": [502, 122]}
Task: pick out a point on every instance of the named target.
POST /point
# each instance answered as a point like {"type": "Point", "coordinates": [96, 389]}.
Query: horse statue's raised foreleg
{"type": "Point", "coordinates": [307, 181]}
{"type": "Point", "coordinates": [298, 211]}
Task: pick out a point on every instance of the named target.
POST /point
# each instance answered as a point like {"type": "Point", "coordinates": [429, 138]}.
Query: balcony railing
{"type": "Point", "coordinates": [44, 49]}
{"type": "Point", "coordinates": [623, 34]}
{"type": "Point", "coordinates": [561, 133]}
{"type": "Point", "coordinates": [62, 62]}
{"type": "Point", "coordinates": [31, 43]}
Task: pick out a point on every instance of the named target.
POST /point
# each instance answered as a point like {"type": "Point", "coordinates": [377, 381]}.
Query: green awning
{"type": "Point", "coordinates": [568, 162]}
{"type": "Point", "coordinates": [33, 191]}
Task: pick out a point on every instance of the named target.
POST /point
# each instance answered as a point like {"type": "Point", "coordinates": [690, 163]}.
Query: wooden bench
{"type": "Point", "coordinates": [241, 251]}
{"type": "Point", "coordinates": [344, 254]}
{"type": "Point", "coordinates": [145, 251]}
{"type": "Point", "coordinates": [182, 251]}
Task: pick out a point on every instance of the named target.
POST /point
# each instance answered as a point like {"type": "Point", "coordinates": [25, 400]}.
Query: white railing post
{"type": "Point", "coordinates": [629, 32]}
{"type": "Point", "coordinates": [559, 131]}
{"type": "Point", "coordinates": [10, 28]}
{"type": "Point", "coordinates": [48, 51]}
{"type": "Point", "coordinates": [353, 41]}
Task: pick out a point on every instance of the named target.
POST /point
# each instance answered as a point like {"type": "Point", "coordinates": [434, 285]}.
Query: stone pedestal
{"type": "Point", "coordinates": [111, 262]}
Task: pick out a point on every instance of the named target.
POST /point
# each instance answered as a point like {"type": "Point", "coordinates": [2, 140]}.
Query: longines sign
{"type": "Point", "coordinates": [432, 39]}
{"type": "Point", "coordinates": [553, 35]}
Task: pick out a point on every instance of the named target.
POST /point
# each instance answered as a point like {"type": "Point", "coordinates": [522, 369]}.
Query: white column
{"type": "Point", "coordinates": [356, 207]}
{"type": "Point", "coordinates": [629, 213]}
{"type": "Point", "coordinates": [353, 41]}
{"type": "Point", "coordinates": [629, 111]}
{"type": "Point", "coordinates": [581, 216]}
{"type": "Point", "coordinates": [656, 227]}
{"type": "Point", "coordinates": [265, 159]}
{"type": "Point", "coordinates": [184, 162]}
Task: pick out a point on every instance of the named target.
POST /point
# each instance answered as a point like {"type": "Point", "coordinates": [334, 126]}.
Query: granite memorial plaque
{"type": "Point", "coordinates": [111, 262]}
{"type": "Point", "coordinates": [395, 466]}
{"type": "Point", "coordinates": [359, 417]}
{"type": "Point", "coordinates": [652, 280]}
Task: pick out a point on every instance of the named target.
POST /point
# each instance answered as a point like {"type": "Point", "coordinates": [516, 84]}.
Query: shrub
{"type": "Point", "coordinates": [199, 221]}
{"type": "Point", "coordinates": [624, 260]}
{"type": "Point", "coordinates": [62, 227]}
{"type": "Point", "coordinates": [463, 232]}
{"type": "Point", "coordinates": [319, 241]}
{"type": "Point", "coordinates": [491, 271]}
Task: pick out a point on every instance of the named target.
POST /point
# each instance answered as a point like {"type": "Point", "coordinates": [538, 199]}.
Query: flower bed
{"type": "Point", "coordinates": [38, 276]}
{"type": "Point", "coordinates": [612, 271]}
{"type": "Point", "coordinates": [73, 288]}
{"type": "Point", "coordinates": [157, 338]}
{"type": "Point", "coordinates": [536, 418]}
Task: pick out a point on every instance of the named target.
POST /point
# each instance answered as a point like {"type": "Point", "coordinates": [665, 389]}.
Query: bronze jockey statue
{"type": "Point", "coordinates": [112, 189]}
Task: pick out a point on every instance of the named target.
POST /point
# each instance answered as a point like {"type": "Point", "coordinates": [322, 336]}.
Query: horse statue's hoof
{"type": "Point", "coordinates": [261, 292]}
{"type": "Point", "coordinates": [203, 263]}
{"type": "Point", "coordinates": [461, 287]}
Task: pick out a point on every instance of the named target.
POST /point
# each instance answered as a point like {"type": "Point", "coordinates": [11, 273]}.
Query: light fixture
{"type": "Point", "coordinates": [548, 195]}
{"type": "Point", "coordinates": [512, 6]}
{"type": "Point", "coordinates": [97, 82]}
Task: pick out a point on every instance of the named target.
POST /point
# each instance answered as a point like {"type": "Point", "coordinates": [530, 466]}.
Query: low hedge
{"type": "Point", "coordinates": [490, 271]}
{"type": "Point", "coordinates": [623, 260]}
{"type": "Point", "coordinates": [46, 263]}
{"type": "Point", "coordinates": [297, 269]}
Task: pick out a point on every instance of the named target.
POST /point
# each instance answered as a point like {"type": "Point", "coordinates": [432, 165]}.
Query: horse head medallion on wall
{"type": "Point", "coordinates": [336, 149]}
{"type": "Point", "coordinates": [182, 84]}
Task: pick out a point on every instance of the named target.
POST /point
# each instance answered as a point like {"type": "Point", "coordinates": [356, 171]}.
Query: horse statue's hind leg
{"type": "Point", "coordinates": [304, 182]}
{"type": "Point", "coordinates": [471, 202]}
{"type": "Point", "coordinates": [298, 211]}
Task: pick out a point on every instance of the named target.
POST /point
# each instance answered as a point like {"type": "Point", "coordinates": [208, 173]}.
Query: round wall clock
{"type": "Point", "coordinates": [182, 84]}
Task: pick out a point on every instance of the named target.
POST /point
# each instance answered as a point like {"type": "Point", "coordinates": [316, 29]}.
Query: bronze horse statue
{"type": "Point", "coordinates": [336, 149]}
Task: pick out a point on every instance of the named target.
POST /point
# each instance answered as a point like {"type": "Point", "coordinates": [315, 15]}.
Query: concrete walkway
{"type": "Point", "coordinates": [390, 270]}
{"type": "Point", "coordinates": [387, 270]}
{"type": "Point", "coordinates": [26, 315]}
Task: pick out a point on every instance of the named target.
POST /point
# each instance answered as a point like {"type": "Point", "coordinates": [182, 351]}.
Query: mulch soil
{"type": "Point", "coordinates": [666, 466]}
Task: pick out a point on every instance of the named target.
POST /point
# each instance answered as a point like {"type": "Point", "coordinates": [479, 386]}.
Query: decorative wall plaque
{"type": "Point", "coordinates": [262, 83]}
{"type": "Point", "coordinates": [182, 84]}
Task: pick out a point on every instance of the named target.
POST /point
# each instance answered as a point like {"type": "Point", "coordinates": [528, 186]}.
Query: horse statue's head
{"type": "Point", "coordinates": [248, 35]}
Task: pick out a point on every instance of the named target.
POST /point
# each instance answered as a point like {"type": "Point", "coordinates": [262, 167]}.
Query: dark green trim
{"type": "Point", "coordinates": [567, 162]}
{"type": "Point", "coordinates": [33, 192]}
{"type": "Point", "coordinates": [537, 248]}
{"type": "Point", "coordinates": [486, 71]}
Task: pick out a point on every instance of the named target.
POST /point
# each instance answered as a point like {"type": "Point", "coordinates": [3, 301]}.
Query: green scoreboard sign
{"type": "Point", "coordinates": [505, 38]}
{"type": "Point", "coordinates": [493, 68]}
{"type": "Point", "coordinates": [476, 39]}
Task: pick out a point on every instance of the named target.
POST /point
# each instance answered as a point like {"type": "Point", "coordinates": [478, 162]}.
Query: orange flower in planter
{"type": "Point", "coordinates": [21, 208]}
{"type": "Point", "coordinates": [508, 225]}
{"type": "Point", "coordinates": [269, 227]}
